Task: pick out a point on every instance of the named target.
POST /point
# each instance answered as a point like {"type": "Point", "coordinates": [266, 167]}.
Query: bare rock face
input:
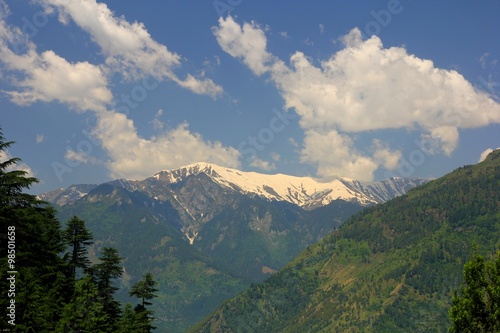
{"type": "Point", "coordinates": [201, 191]}
{"type": "Point", "coordinates": [207, 231]}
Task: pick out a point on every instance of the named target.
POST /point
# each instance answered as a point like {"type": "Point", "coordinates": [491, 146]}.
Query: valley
{"type": "Point", "coordinates": [391, 268]}
{"type": "Point", "coordinates": [208, 232]}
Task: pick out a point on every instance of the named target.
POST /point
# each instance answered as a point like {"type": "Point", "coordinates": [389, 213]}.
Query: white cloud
{"type": "Point", "coordinates": [20, 166]}
{"type": "Point", "coordinates": [39, 138]}
{"type": "Point", "coordinates": [293, 142]}
{"type": "Point", "coordinates": [263, 165]}
{"type": "Point", "coordinates": [247, 42]}
{"type": "Point", "coordinates": [202, 87]}
{"type": "Point", "coordinates": [385, 156]}
{"type": "Point", "coordinates": [366, 87]}
{"type": "Point", "coordinates": [446, 137]}
{"type": "Point", "coordinates": [485, 154]}
{"type": "Point", "coordinates": [157, 123]}
{"type": "Point", "coordinates": [363, 87]}
{"type": "Point", "coordinates": [80, 156]}
{"type": "Point", "coordinates": [48, 77]}
{"type": "Point", "coordinates": [483, 58]}
{"type": "Point", "coordinates": [334, 154]}
{"type": "Point", "coordinates": [128, 47]}
{"type": "Point", "coordinates": [308, 42]}
{"type": "Point", "coordinates": [321, 28]}
{"type": "Point", "coordinates": [131, 156]}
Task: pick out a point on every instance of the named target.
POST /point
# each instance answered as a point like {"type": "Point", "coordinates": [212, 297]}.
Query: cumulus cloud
{"type": "Point", "coordinates": [485, 154]}
{"type": "Point", "coordinates": [132, 156]}
{"type": "Point", "coordinates": [48, 77]}
{"type": "Point", "coordinates": [202, 87]}
{"type": "Point", "coordinates": [385, 156]}
{"type": "Point", "coordinates": [247, 42]}
{"type": "Point", "coordinates": [334, 154]}
{"type": "Point", "coordinates": [80, 157]}
{"type": "Point", "coordinates": [367, 87]}
{"type": "Point", "coordinates": [128, 47]}
{"type": "Point", "coordinates": [20, 166]}
{"type": "Point", "coordinates": [363, 87]}
{"type": "Point", "coordinates": [262, 165]}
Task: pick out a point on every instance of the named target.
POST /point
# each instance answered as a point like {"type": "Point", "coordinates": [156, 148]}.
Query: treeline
{"type": "Point", "coordinates": [47, 281]}
{"type": "Point", "coordinates": [391, 268]}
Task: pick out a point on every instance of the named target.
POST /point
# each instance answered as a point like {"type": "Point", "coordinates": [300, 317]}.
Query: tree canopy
{"type": "Point", "coordinates": [476, 307]}
{"type": "Point", "coordinates": [41, 291]}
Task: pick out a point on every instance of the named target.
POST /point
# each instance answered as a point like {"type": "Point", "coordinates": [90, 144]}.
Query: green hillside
{"type": "Point", "coordinates": [391, 268]}
{"type": "Point", "coordinates": [190, 286]}
{"type": "Point", "coordinates": [243, 244]}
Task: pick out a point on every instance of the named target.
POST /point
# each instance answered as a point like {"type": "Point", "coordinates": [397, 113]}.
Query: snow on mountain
{"type": "Point", "coordinates": [303, 191]}
{"type": "Point", "coordinates": [62, 196]}
{"type": "Point", "coordinates": [306, 192]}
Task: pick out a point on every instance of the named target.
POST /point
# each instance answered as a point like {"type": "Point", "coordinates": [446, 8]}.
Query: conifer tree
{"type": "Point", "coordinates": [36, 244]}
{"type": "Point", "coordinates": [104, 274]}
{"type": "Point", "coordinates": [85, 312]}
{"type": "Point", "coordinates": [144, 290]}
{"type": "Point", "coordinates": [128, 321]}
{"type": "Point", "coordinates": [77, 237]}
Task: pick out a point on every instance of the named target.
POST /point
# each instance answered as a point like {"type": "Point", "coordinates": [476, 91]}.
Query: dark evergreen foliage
{"type": "Point", "coordinates": [105, 272]}
{"type": "Point", "coordinates": [40, 289]}
{"type": "Point", "coordinates": [85, 312]}
{"type": "Point", "coordinates": [391, 268]}
{"type": "Point", "coordinates": [36, 243]}
{"type": "Point", "coordinates": [78, 238]}
{"type": "Point", "coordinates": [476, 308]}
{"type": "Point", "coordinates": [145, 291]}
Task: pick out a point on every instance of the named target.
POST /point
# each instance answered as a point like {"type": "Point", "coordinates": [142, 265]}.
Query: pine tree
{"type": "Point", "coordinates": [144, 290]}
{"type": "Point", "coordinates": [129, 321]}
{"type": "Point", "coordinates": [85, 312]}
{"type": "Point", "coordinates": [104, 274]}
{"type": "Point", "coordinates": [35, 239]}
{"type": "Point", "coordinates": [77, 237]}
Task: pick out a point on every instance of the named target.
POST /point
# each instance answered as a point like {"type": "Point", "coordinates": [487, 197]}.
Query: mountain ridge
{"type": "Point", "coordinates": [306, 192]}
{"type": "Point", "coordinates": [390, 268]}
{"type": "Point", "coordinates": [207, 232]}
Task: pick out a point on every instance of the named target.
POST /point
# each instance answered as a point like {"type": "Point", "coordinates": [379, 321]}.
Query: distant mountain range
{"type": "Point", "coordinates": [206, 232]}
{"type": "Point", "coordinates": [305, 192]}
{"type": "Point", "coordinates": [390, 268]}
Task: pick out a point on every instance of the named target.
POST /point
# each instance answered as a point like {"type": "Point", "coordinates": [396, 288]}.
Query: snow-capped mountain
{"type": "Point", "coordinates": [306, 192]}
{"type": "Point", "coordinates": [63, 196]}
{"type": "Point", "coordinates": [262, 220]}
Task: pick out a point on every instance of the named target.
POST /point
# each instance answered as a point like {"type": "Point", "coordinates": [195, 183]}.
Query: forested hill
{"type": "Point", "coordinates": [391, 268]}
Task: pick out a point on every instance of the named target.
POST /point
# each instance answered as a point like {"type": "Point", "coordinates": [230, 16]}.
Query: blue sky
{"type": "Point", "coordinates": [93, 91]}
